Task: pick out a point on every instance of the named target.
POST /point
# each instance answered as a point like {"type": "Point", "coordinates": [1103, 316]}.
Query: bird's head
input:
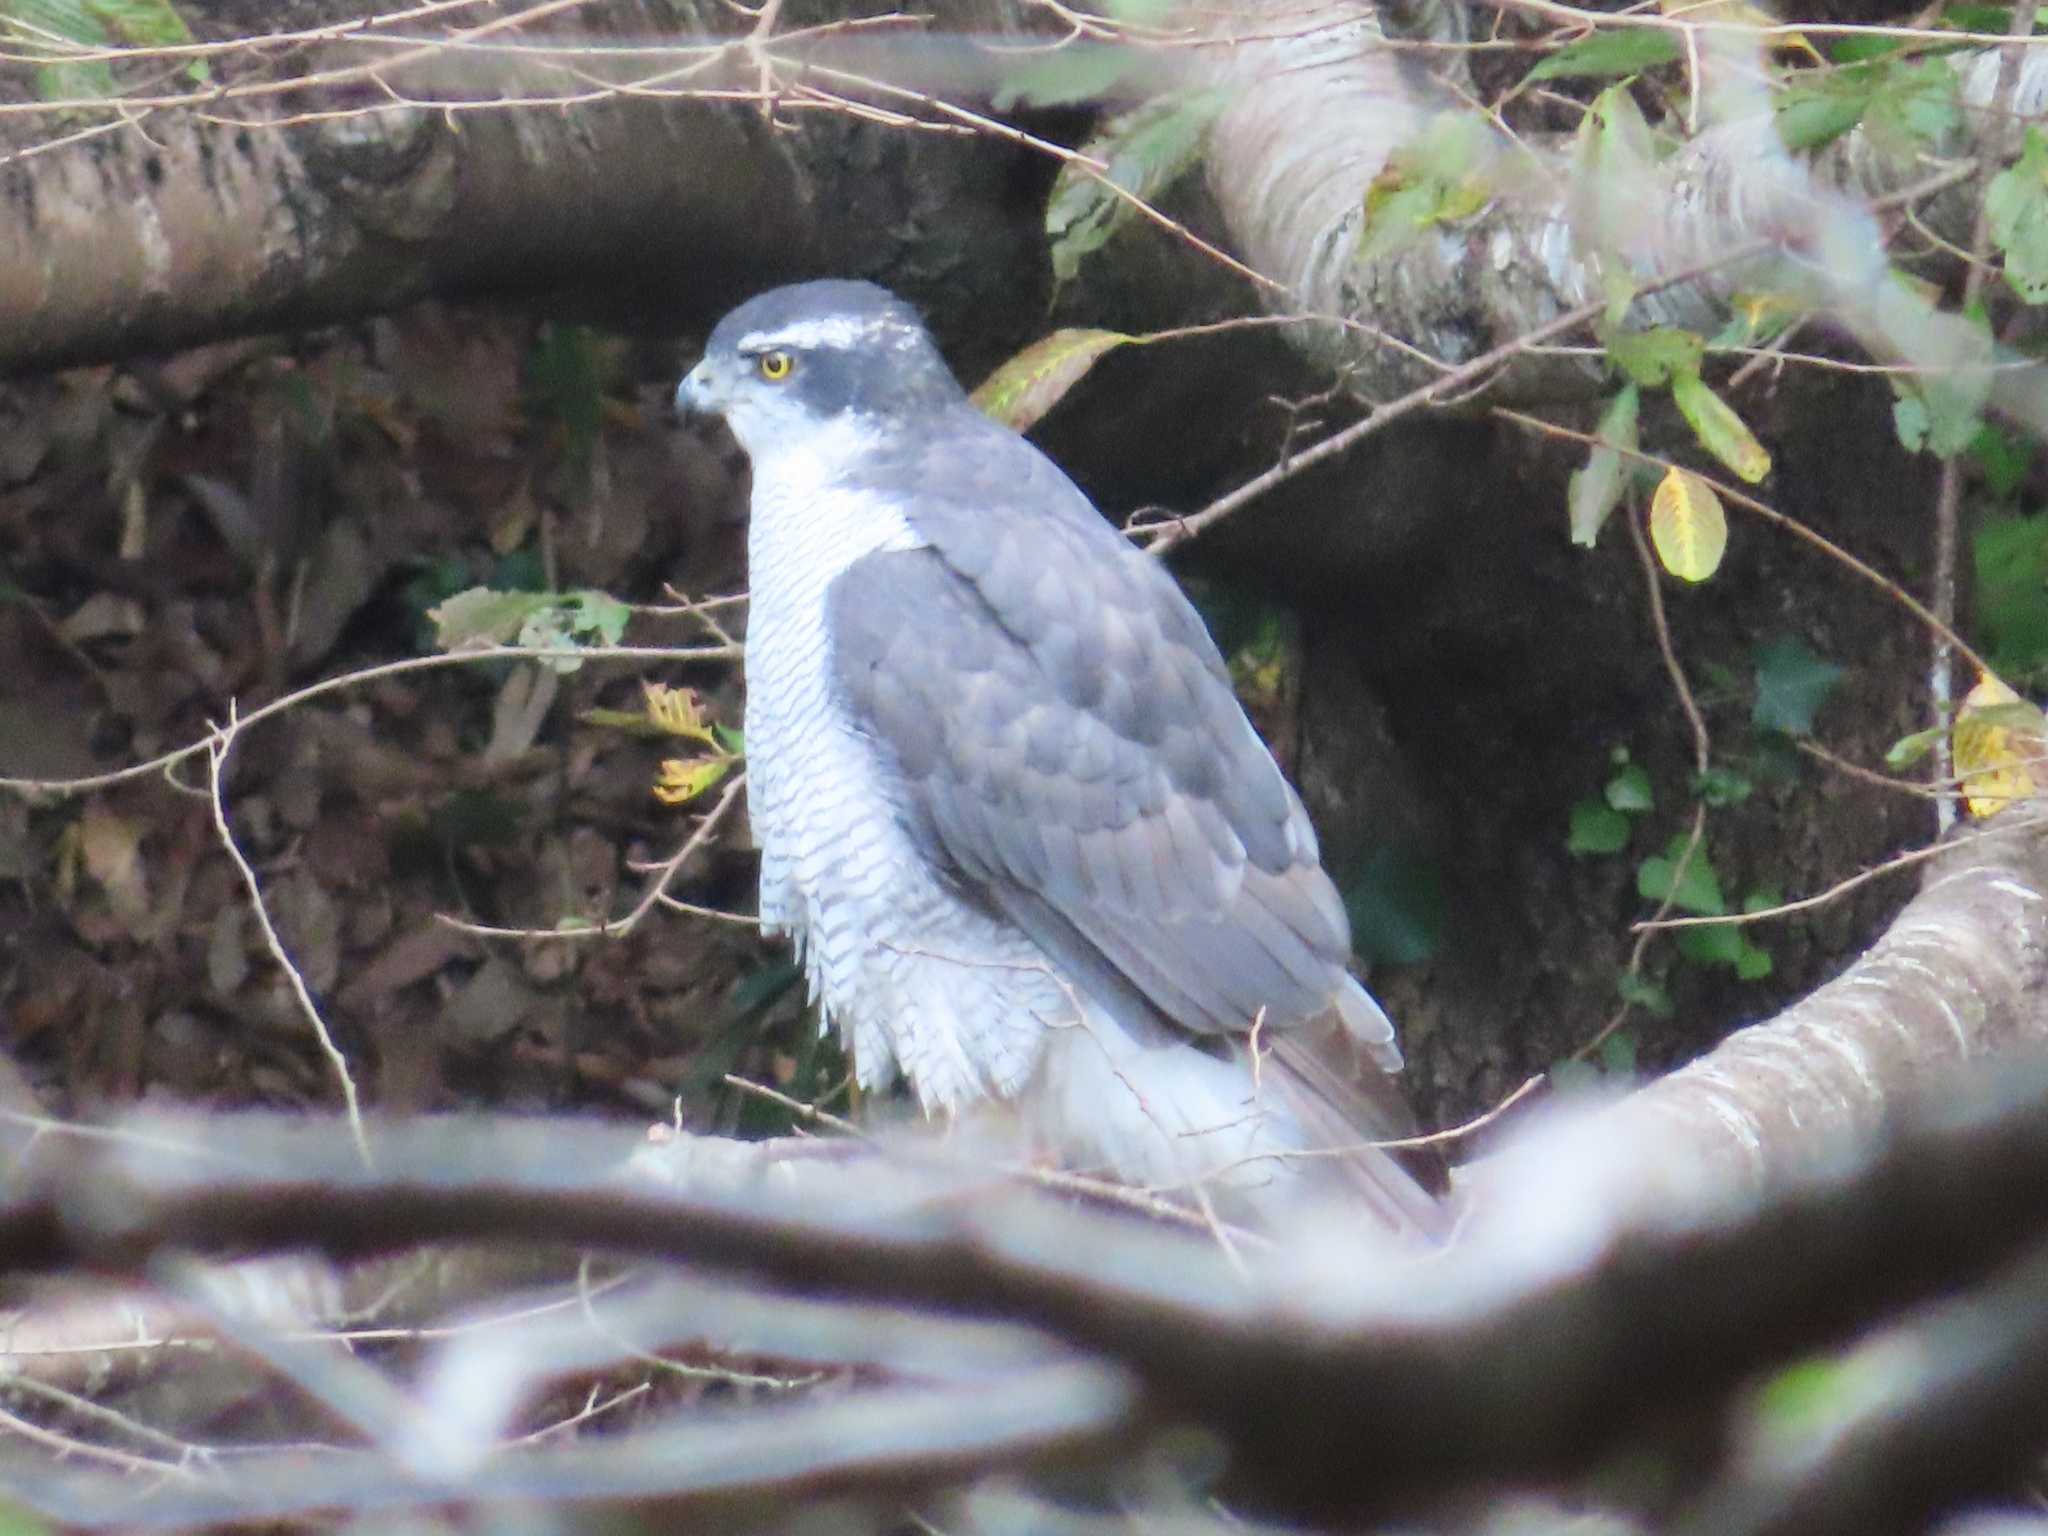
{"type": "Point", "coordinates": [795, 359]}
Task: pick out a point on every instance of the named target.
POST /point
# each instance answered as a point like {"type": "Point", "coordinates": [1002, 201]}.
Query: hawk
{"type": "Point", "coordinates": [1007, 803]}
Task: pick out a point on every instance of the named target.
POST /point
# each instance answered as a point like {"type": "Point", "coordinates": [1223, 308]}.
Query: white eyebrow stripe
{"type": "Point", "coordinates": [827, 331]}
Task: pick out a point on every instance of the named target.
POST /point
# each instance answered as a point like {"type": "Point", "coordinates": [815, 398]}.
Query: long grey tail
{"type": "Point", "coordinates": [1343, 1105]}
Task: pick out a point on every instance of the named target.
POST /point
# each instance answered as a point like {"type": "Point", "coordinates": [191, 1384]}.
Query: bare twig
{"type": "Point", "coordinates": [218, 745]}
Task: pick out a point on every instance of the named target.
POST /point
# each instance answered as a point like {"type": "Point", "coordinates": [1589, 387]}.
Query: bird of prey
{"type": "Point", "coordinates": [1006, 801]}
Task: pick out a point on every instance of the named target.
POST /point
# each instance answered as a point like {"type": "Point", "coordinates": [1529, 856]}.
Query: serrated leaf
{"type": "Point", "coordinates": [1792, 682]}
{"type": "Point", "coordinates": [1916, 106]}
{"type": "Point", "coordinates": [1625, 51]}
{"type": "Point", "coordinates": [597, 615]}
{"type": "Point", "coordinates": [1023, 389]}
{"type": "Point", "coordinates": [1655, 357]}
{"type": "Point", "coordinates": [481, 617]}
{"type": "Point", "coordinates": [1697, 890]}
{"type": "Point", "coordinates": [1687, 526]}
{"type": "Point", "coordinates": [1596, 827]}
{"type": "Point", "coordinates": [1145, 150]}
{"type": "Point", "coordinates": [2016, 204]}
{"type": "Point", "coordinates": [1596, 489]}
{"type": "Point", "coordinates": [1720, 431]}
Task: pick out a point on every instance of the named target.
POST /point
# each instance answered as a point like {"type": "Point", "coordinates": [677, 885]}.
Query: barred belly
{"type": "Point", "coordinates": [914, 974]}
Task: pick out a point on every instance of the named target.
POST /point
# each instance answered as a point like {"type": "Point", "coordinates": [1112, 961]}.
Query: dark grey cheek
{"type": "Point", "coordinates": [830, 382]}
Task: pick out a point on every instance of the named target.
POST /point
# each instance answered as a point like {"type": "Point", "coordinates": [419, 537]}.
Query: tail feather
{"type": "Point", "coordinates": [1343, 1107]}
{"type": "Point", "coordinates": [1261, 1138]}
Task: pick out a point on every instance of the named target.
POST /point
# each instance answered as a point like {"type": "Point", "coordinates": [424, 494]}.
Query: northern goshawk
{"type": "Point", "coordinates": [1006, 800]}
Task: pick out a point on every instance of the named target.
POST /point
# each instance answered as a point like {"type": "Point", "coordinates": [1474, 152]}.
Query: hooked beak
{"type": "Point", "coordinates": [698, 394]}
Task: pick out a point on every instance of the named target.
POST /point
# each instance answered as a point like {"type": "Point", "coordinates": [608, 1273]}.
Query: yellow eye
{"type": "Point", "coordinates": [775, 366]}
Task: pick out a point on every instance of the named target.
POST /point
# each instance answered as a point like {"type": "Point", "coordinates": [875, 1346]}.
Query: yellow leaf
{"type": "Point", "coordinates": [676, 711]}
{"type": "Point", "coordinates": [683, 780]}
{"type": "Point", "coordinates": [1033, 382]}
{"type": "Point", "coordinates": [1688, 526]}
{"type": "Point", "coordinates": [1999, 744]}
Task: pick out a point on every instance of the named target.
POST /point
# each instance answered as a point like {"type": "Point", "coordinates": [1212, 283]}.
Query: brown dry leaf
{"type": "Point", "coordinates": [227, 951]}
{"type": "Point", "coordinates": [104, 616]}
{"type": "Point", "coordinates": [110, 849]}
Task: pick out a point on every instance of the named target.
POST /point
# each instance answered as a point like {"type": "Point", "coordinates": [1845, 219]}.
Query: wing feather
{"type": "Point", "coordinates": [1067, 739]}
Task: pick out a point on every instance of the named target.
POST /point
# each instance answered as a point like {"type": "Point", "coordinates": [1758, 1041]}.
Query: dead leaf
{"type": "Point", "coordinates": [110, 848]}
{"type": "Point", "coordinates": [104, 616]}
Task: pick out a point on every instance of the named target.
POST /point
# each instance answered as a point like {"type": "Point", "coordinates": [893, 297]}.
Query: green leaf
{"type": "Point", "coordinates": [1596, 489]}
{"type": "Point", "coordinates": [1908, 750]}
{"type": "Point", "coordinates": [1629, 790]}
{"type": "Point", "coordinates": [1792, 682]}
{"type": "Point", "coordinates": [2004, 458]}
{"type": "Point", "coordinates": [1720, 431]}
{"type": "Point", "coordinates": [1654, 357]}
{"type": "Point", "coordinates": [1573, 1077]}
{"type": "Point", "coordinates": [1397, 908]}
{"type": "Point", "coordinates": [1917, 106]}
{"type": "Point", "coordinates": [1066, 76]}
{"type": "Point", "coordinates": [92, 24]}
{"type": "Point", "coordinates": [1624, 51]}
{"type": "Point", "coordinates": [1754, 963]}
{"type": "Point", "coordinates": [1145, 150]}
{"type": "Point", "coordinates": [482, 618]}
{"type": "Point", "coordinates": [1861, 50]}
{"type": "Point", "coordinates": [1979, 18]}
{"type": "Point", "coordinates": [1911, 420]}
{"type": "Point", "coordinates": [1438, 178]}
{"type": "Point", "coordinates": [1698, 891]}
{"type": "Point", "coordinates": [1618, 1054]}
{"type": "Point", "coordinates": [1596, 828]}
{"type": "Point", "coordinates": [1719, 944]}
{"type": "Point", "coordinates": [1641, 992]}
{"type": "Point", "coordinates": [2016, 204]}
{"type": "Point", "coordinates": [598, 615]}
{"type": "Point", "coordinates": [1722, 786]}
{"type": "Point", "coordinates": [1814, 111]}
{"type": "Point", "coordinates": [1023, 389]}
{"type": "Point", "coordinates": [2009, 556]}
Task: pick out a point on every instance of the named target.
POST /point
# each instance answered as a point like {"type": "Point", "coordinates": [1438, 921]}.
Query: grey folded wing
{"type": "Point", "coordinates": [1070, 750]}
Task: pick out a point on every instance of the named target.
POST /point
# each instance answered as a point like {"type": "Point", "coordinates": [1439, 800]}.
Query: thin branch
{"type": "Point", "coordinates": [218, 745]}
